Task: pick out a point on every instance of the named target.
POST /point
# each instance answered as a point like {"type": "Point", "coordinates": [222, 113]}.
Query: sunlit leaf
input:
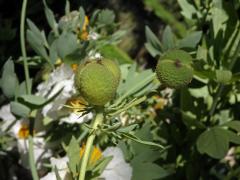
{"type": "Point", "coordinates": [223, 76]}
{"type": "Point", "coordinates": [219, 17]}
{"type": "Point", "coordinates": [115, 53]}
{"type": "Point", "coordinates": [188, 10]}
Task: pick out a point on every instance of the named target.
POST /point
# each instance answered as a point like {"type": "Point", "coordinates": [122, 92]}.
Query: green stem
{"type": "Point", "coordinates": [31, 158]}
{"type": "Point", "coordinates": [23, 48]}
{"type": "Point", "coordinates": [215, 100]}
{"type": "Point", "coordinates": [98, 120]}
{"type": "Point", "coordinates": [28, 88]}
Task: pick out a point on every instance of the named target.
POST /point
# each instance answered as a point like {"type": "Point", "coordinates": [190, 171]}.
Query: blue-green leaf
{"type": "Point", "coordinates": [19, 109]}
{"type": "Point", "coordinates": [153, 45]}
{"type": "Point", "coordinates": [168, 39]}
{"type": "Point", "coordinates": [9, 80]}
{"type": "Point", "coordinates": [50, 18]}
{"type": "Point", "coordinates": [106, 17]}
{"type": "Point", "coordinates": [191, 40]}
{"type": "Point", "coordinates": [147, 171]}
{"type": "Point", "coordinates": [214, 142]}
{"type": "Point", "coordinates": [33, 99]}
{"type": "Point", "coordinates": [66, 44]}
{"type": "Point", "coordinates": [73, 152]}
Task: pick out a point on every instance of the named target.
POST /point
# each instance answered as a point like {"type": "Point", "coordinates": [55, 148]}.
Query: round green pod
{"type": "Point", "coordinates": [113, 67]}
{"type": "Point", "coordinates": [177, 54]}
{"type": "Point", "coordinates": [96, 84]}
{"type": "Point", "coordinates": [174, 74]}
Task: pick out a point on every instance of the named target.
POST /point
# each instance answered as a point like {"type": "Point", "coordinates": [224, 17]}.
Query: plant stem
{"type": "Point", "coordinates": [23, 48]}
{"type": "Point", "coordinates": [215, 100]}
{"type": "Point", "coordinates": [31, 158]}
{"type": "Point", "coordinates": [28, 88]}
{"type": "Point", "coordinates": [98, 120]}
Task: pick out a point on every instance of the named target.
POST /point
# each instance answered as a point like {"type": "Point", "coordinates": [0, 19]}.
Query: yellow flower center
{"type": "Point", "coordinates": [96, 154]}
{"type": "Point", "coordinates": [23, 132]}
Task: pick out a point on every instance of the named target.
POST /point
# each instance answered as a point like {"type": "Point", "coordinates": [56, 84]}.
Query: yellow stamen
{"type": "Point", "coordinates": [74, 67]}
{"type": "Point", "coordinates": [23, 132]}
{"type": "Point", "coordinates": [95, 155]}
{"type": "Point", "coordinates": [77, 104]}
{"type": "Point", "coordinates": [161, 103]}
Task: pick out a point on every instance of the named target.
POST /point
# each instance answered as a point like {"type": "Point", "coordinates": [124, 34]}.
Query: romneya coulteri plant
{"type": "Point", "coordinates": [90, 96]}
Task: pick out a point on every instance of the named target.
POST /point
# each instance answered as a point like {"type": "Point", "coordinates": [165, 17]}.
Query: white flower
{"type": "Point", "coordinates": [39, 151]}
{"type": "Point", "coordinates": [230, 157]}
{"type": "Point", "coordinates": [117, 169]}
{"type": "Point", "coordinates": [20, 131]}
{"type": "Point", "coordinates": [61, 165]}
{"type": "Point", "coordinates": [77, 118]}
{"type": "Point", "coordinates": [60, 78]}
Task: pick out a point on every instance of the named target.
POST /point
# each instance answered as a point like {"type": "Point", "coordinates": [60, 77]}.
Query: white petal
{"type": "Point", "coordinates": [52, 176]}
{"type": "Point", "coordinates": [49, 176]}
{"type": "Point", "coordinates": [6, 116]}
{"type": "Point", "coordinates": [5, 113]}
{"type": "Point", "coordinates": [61, 78]}
{"type": "Point", "coordinates": [117, 169]}
{"type": "Point", "coordinates": [60, 163]}
{"type": "Point", "coordinates": [76, 118]}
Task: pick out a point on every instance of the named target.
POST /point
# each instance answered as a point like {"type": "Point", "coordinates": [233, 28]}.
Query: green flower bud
{"type": "Point", "coordinates": [174, 74]}
{"type": "Point", "coordinates": [96, 83]}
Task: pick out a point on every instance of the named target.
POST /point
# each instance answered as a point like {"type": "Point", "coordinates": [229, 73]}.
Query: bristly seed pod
{"type": "Point", "coordinates": [113, 67]}
{"type": "Point", "coordinates": [96, 82]}
{"type": "Point", "coordinates": [174, 74]}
